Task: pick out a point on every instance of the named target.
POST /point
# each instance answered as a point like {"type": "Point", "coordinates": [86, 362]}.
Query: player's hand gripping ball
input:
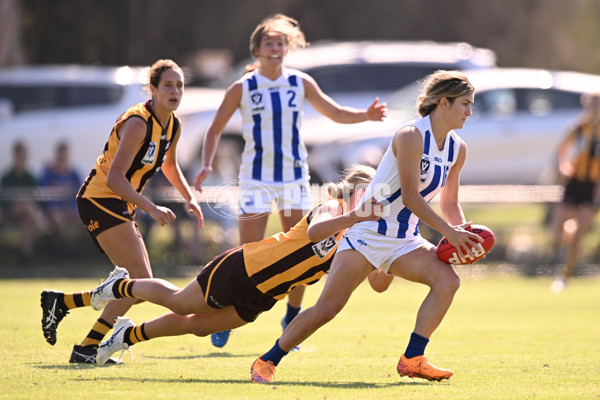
{"type": "Point", "coordinates": [448, 253]}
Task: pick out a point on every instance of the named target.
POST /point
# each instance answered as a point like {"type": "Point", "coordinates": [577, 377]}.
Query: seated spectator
{"type": "Point", "coordinates": [64, 181]}
{"type": "Point", "coordinates": [21, 208]}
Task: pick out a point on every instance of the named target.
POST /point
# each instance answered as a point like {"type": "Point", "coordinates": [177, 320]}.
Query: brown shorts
{"type": "Point", "coordinates": [225, 282]}
{"type": "Point", "coordinates": [579, 193]}
{"type": "Point", "coordinates": [100, 214]}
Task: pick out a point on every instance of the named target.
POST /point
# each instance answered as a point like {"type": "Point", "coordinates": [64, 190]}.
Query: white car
{"type": "Point", "coordinates": [518, 118]}
{"type": "Point", "coordinates": [353, 73]}
{"type": "Point", "coordinates": [42, 105]}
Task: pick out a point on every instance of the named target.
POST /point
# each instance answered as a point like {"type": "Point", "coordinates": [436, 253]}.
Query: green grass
{"type": "Point", "coordinates": [504, 337]}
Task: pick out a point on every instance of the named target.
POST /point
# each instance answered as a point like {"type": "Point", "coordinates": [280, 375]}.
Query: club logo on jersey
{"type": "Point", "coordinates": [425, 168]}
{"type": "Point", "coordinates": [256, 101]}
{"type": "Point", "coordinates": [324, 247]}
{"type": "Point", "coordinates": [150, 154]}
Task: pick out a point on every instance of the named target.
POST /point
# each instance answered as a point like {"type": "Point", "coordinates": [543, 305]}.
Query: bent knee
{"type": "Point", "coordinates": [201, 332]}
{"type": "Point", "coordinates": [326, 313]}
{"type": "Point", "coordinates": [453, 283]}
{"type": "Point", "coordinates": [196, 327]}
{"type": "Point", "coordinates": [448, 283]}
{"type": "Point", "coordinates": [180, 306]}
{"type": "Point", "coordinates": [137, 270]}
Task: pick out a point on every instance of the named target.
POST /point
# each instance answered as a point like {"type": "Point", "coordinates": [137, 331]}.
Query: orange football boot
{"type": "Point", "coordinates": [262, 371]}
{"type": "Point", "coordinates": [419, 367]}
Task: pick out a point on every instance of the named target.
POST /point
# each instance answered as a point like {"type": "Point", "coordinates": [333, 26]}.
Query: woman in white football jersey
{"type": "Point", "coordinates": [270, 98]}
{"type": "Point", "coordinates": [424, 157]}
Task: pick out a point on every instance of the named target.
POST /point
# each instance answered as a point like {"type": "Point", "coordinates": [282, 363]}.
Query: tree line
{"type": "Point", "coordinates": [553, 34]}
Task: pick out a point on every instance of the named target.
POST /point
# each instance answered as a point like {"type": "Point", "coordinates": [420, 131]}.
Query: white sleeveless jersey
{"type": "Point", "coordinates": [385, 187]}
{"type": "Point", "coordinates": [271, 118]}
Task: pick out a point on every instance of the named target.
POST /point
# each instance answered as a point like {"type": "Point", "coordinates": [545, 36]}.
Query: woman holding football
{"type": "Point", "coordinates": [142, 142]}
{"type": "Point", "coordinates": [424, 158]}
{"type": "Point", "coordinates": [271, 99]}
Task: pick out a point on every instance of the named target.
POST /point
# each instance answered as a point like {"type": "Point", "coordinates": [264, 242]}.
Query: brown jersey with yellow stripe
{"type": "Point", "coordinates": [280, 262]}
{"type": "Point", "coordinates": [587, 157]}
{"type": "Point", "coordinates": [147, 161]}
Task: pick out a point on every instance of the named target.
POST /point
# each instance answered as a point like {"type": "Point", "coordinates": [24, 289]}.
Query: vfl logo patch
{"type": "Point", "coordinates": [324, 247]}
{"type": "Point", "coordinates": [425, 168]}
{"type": "Point", "coordinates": [150, 154]}
{"type": "Point", "coordinates": [256, 100]}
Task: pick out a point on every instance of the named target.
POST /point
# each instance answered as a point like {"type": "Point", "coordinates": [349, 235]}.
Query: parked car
{"type": "Point", "coordinates": [42, 105]}
{"type": "Point", "coordinates": [366, 69]}
{"type": "Point", "coordinates": [518, 118]}
{"type": "Point", "coordinates": [353, 74]}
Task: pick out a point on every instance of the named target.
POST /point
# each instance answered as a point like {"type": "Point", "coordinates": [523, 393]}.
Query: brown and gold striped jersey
{"type": "Point", "coordinates": [587, 152]}
{"type": "Point", "coordinates": [147, 161]}
{"type": "Point", "coordinates": [280, 262]}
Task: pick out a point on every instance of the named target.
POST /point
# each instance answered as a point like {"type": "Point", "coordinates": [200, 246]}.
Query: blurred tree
{"type": "Point", "coordinates": [11, 50]}
{"type": "Point", "coordinates": [535, 33]}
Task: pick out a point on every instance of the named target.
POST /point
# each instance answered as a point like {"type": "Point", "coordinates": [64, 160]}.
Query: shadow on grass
{"type": "Point", "coordinates": [332, 385]}
{"type": "Point", "coordinates": [67, 367]}
{"type": "Point", "coordinates": [220, 354]}
{"type": "Point", "coordinates": [186, 357]}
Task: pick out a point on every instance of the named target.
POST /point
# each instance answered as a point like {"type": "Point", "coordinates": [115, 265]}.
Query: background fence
{"type": "Point", "coordinates": [519, 216]}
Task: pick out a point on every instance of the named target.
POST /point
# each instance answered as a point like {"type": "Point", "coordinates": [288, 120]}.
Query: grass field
{"type": "Point", "coordinates": [505, 337]}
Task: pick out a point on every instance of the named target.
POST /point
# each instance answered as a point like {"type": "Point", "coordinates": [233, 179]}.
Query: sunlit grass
{"type": "Point", "coordinates": [505, 338]}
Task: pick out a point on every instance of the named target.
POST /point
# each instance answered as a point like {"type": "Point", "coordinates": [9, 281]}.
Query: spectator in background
{"type": "Point", "coordinates": [21, 208]}
{"type": "Point", "coordinates": [579, 168]}
{"type": "Point", "coordinates": [60, 176]}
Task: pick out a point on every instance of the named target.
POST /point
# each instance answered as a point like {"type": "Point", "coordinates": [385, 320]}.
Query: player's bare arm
{"type": "Point", "coordinates": [231, 102]}
{"type": "Point", "coordinates": [341, 114]}
{"type": "Point", "coordinates": [174, 175]}
{"type": "Point", "coordinates": [329, 218]}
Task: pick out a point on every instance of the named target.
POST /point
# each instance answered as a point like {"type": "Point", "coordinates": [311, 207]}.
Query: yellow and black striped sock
{"type": "Point", "coordinates": [99, 330]}
{"type": "Point", "coordinates": [79, 299]}
{"type": "Point", "coordinates": [136, 334]}
{"type": "Point", "coordinates": [124, 288]}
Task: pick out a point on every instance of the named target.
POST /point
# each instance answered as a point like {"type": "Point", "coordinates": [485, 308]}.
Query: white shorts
{"type": "Point", "coordinates": [256, 197]}
{"type": "Point", "coordinates": [379, 250]}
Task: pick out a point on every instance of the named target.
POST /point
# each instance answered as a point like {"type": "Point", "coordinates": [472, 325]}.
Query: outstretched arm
{"type": "Point", "coordinates": [174, 175]}
{"type": "Point", "coordinates": [332, 110]}
{"type": "Point", "coordinates": [230, 103]}
{"type": "Point", "coordinates": [330, 219]}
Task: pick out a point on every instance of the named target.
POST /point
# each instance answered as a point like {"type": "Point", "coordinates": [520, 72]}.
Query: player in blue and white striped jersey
{"type": "Point", "coordinates": [424, 158]}
{"type": "Point", "coordinates": [271, 98]}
